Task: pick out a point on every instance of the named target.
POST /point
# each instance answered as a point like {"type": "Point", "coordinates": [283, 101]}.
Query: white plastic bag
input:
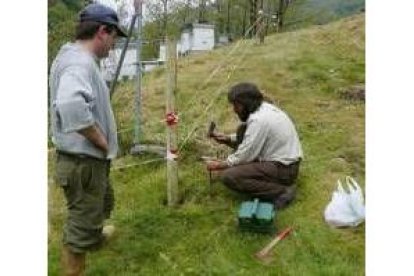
{"type": "Point", "coordinates": [346, 209]}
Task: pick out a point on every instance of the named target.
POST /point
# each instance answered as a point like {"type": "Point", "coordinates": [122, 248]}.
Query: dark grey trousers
{"type": "Point", "coordinates": [264, 180]}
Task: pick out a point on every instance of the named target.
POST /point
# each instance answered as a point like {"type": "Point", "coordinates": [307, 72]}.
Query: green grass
{"type": "Point", "coordinates": [302, 72]}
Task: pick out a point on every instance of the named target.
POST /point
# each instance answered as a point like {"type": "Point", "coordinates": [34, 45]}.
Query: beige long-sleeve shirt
{"type": "Point", "coordinates": [270, 136]}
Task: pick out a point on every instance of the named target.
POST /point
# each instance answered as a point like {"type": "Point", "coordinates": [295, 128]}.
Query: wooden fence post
{"type": "Point", "coordinates": [172, 120]}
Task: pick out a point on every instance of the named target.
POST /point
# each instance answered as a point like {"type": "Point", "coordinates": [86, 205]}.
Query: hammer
{"type": "Point", "coordinates": [262, 254]}
{"type": "Point", "coordinates": [211, 128]}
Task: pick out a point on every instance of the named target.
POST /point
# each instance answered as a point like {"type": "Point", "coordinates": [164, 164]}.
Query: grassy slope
{"type": "Point", "coordinates": [302, 72]}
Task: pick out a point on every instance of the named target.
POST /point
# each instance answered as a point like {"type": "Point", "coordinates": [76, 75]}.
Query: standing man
{"type": "Point", "coordinates": [84, 134]}
{"type": "Point", "coordinates": [266, 161]}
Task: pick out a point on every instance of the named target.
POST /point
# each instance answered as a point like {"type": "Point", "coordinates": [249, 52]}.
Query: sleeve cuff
{"type": "Point", "coordinates": [74, 116]}
{"type": "Point", "coordinates": [229, 162]}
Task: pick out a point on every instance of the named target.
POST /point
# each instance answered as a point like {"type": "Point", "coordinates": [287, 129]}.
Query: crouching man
{"type": "Point", "coordinates": [268, 152]}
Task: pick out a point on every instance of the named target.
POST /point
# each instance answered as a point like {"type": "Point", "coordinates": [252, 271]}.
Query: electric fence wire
{"type": "Point", "coordinates": [217, 94]}
{"type": "Point", "coordinates": [218, 91]}
{"type": "Point", "coordinates": [227, 59]}
{"type": "Point", "coordinates": [115, 168]}
{"type": "Point", "coordinates": [197, 122]}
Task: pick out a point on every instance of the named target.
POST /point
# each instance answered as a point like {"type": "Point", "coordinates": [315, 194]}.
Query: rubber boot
{"type": "Point", "coordinates": [73, 264]}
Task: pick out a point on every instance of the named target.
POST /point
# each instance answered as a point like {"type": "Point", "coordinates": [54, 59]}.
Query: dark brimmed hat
{"type": "Point", "coordinates": [102, 14]}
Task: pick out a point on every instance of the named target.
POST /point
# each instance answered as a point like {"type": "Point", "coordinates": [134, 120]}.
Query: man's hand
{"type": "Point", "coordinates": [221, 138]}
{"type": "Point", "coordinates": [96, 137]}
{"type": "Point", "coordinates": [215, 165]}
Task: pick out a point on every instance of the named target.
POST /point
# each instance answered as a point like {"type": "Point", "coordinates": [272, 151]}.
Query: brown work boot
{"type": "Point", "coordinates": [287, 197]}
{"type": "Point", "coordinates": [73, 264]}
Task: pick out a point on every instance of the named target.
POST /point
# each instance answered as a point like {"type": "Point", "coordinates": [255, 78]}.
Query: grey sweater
{"type": "Point", "coordinates": [79, 98]}
{"type": "Point", "coordinates": [270, 136]}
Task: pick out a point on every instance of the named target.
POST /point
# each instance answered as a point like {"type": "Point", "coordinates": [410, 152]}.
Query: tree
{"type": "Point", "coordinates": [125, 12]}
{"type": "Point", "coordinates": [186, 13]}
{"type": "Point", "coordinates": [158, 12]}
{"type": "Point", "coordinates": [202, 11]}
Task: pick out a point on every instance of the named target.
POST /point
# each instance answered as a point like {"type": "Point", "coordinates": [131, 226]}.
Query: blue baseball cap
{"type": "Point", "coordinates": [102, 14]}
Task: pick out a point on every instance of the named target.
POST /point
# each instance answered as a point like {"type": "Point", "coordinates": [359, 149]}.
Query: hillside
{"type": "Point", "coordinates": [324, 11]}
{"type": "Point", "coordinates": [306, 73]}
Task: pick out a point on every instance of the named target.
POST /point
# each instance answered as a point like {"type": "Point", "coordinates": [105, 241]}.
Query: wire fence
{"type": "Point", "coordinates": [228, 63]}
{"type": "Point", "coordinates": [211, 87]}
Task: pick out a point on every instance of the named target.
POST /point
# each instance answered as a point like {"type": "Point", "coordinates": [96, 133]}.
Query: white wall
{"type": "Point", "coordinates": [185, 42]}
{"type": "Point", "coordinates": [163, 52]}
{"type": "Point", "coordinates": [162, 56]}
{"type": "Point", "coordinates": [178, 48]}
{"type": "Point", "coordinates": [203, 38]}
{"type": "Point", "coordinates": [109, 64]}
{"type": "Point", "coordinates": [128, 67]}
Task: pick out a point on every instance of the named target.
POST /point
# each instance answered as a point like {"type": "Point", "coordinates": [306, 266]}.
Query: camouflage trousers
{"type": "Point", "coordinates": [89, 198]}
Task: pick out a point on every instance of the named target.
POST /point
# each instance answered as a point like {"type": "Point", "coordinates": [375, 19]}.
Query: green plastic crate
{"type": "Point", "coordinates": [256, 216]}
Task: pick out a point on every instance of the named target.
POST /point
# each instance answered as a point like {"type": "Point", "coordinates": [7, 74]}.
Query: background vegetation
{"type": "Point", "coordinates": [230, 17]}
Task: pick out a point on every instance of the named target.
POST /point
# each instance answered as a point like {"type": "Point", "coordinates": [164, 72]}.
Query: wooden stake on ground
{"type": "Point", "coordinates": [262, 254]}
{"type": "Point", "coordinates": [172, 120]}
